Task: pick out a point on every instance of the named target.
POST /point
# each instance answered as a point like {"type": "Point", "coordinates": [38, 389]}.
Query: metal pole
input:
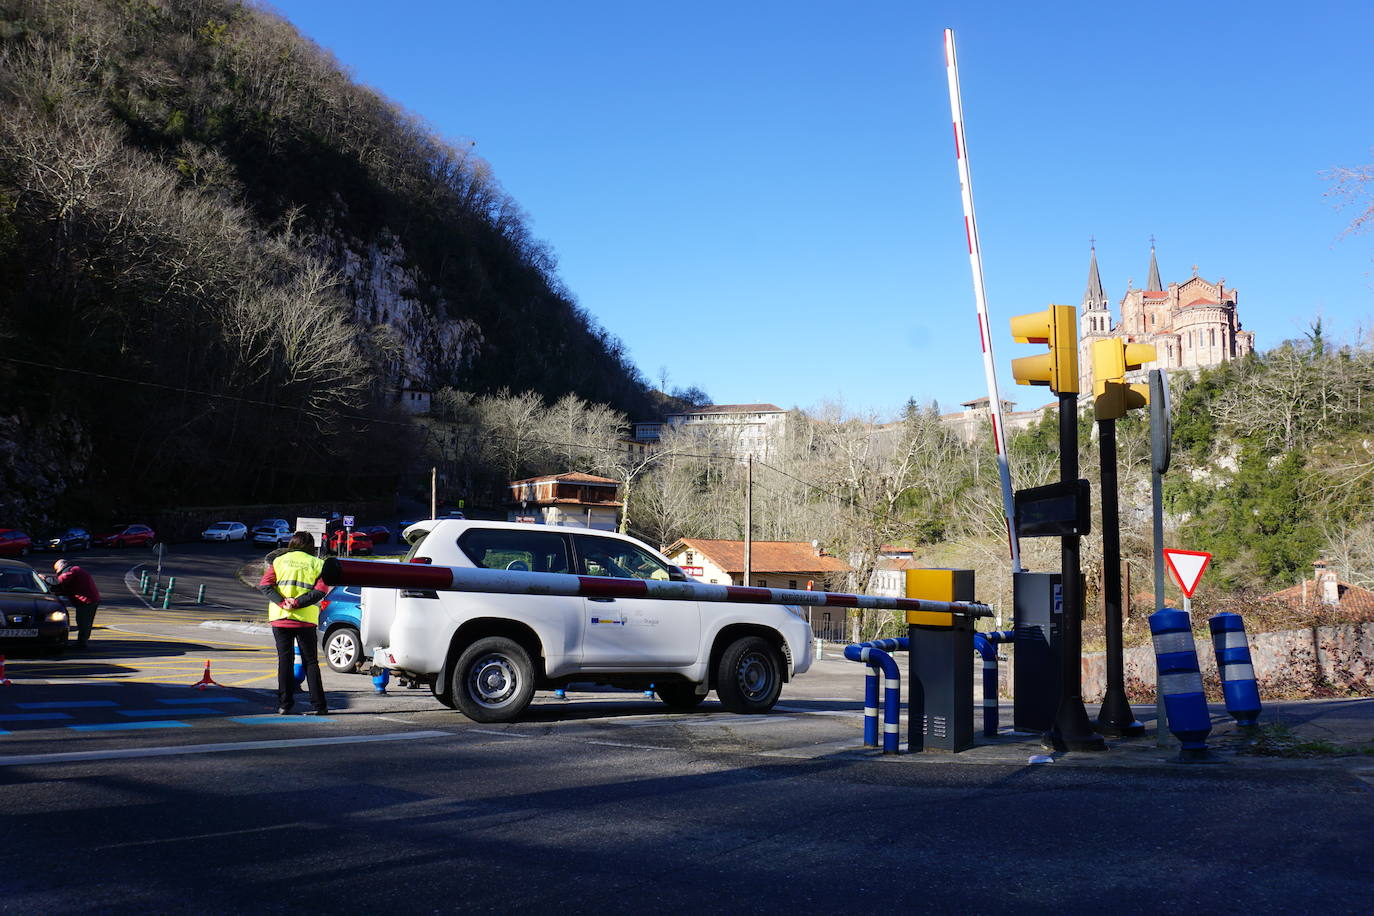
{"type": "Point", "coordinates": [1115, 720]}
{"type": "Point", "coordinates": [975, 258]}
{"type": "Point", "coordinates": [1161, 432]}
{"type": "Point", "coordinates": [1071, 729]}
{"type": "Point", "coordinates": [748, 518]}
{"type": "Point", "coordinates": [434, 492]}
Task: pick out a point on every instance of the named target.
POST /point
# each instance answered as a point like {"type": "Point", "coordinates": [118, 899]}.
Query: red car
{"type": "Point", "coordinates": [126, 536]}
{"type": "Point", "coordinates": [357, 541]}
{"type": "Point", "coordinates": [14, 543]}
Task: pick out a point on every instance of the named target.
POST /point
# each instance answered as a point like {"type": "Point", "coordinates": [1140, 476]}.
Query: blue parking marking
{"type": "Point", "coordinates": [3, 732]}
{"type": "Point", "coordinates": [68, 704]}
{"type": "Point", "coordinates": [118, 726]}
{"type": "Point", "coordinates": [184, 711]}
{"type": "Point", "coordinates": [274, 720]}
{"type": "Point", "coordinates": [33, 716]}
{"type": "Point", "coordinates": [198, 701]}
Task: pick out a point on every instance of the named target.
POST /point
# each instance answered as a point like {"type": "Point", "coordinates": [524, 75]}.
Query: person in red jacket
{"type": "Point", "coordinates": [76, 584]}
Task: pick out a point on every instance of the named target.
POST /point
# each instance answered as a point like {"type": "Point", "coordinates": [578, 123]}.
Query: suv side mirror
{"type": "Point", "coordinates": [675, 574]}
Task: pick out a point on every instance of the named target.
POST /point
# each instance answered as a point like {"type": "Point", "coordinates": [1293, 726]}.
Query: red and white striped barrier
{"type": "Point", "coordinates": [384, 574]}
{"type": "Point", "coordinates": [975, 260]}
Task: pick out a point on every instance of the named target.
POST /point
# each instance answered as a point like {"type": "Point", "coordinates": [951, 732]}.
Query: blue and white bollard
{"type": "Point", "coordinates": [875, 655]}
{"type": "Point", "coordinates": [1237, 672]}
{"type": "Point", "coordinates": [298, 670]}
{"type": "Point", "coordinates": [985, 644]}
{"type": "Point", "coordinates": [380, 680]}
{"type": "Point", "coordinates": [1180, 683]}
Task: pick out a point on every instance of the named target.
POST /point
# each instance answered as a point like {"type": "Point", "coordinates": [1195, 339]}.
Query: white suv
{"type": "Point", "coordinates": [485, 653]}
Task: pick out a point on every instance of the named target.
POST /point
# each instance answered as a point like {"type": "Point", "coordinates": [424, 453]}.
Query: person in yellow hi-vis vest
{"type": "Point", "coordinates": [293, 590]}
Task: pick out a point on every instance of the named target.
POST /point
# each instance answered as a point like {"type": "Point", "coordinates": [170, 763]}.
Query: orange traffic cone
{"type": "Point", "coordinates": [205, 679]}
{"type": "Point", "coordinates": [4, 681]}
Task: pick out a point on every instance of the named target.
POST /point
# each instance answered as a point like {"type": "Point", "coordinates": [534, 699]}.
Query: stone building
{"type": "Point", "coordinates": [1192, 325]}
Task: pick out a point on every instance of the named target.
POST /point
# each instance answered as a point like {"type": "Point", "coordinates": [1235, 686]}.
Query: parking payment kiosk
{"type": "Point", "coordinates": [940, 704]}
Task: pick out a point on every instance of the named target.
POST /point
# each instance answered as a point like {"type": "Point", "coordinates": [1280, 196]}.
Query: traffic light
{"type": "Point", "coordinates": [1058, 327]}
{"type": "Point", "coordinates": [1112, 359]}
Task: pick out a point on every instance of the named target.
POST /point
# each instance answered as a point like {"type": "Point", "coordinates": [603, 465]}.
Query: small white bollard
{"type": "Point", "coordinates": [820, 646]}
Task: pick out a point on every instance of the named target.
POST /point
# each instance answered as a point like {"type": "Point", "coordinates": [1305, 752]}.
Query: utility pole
{"type": "Point", "coordinates": [748, 517]}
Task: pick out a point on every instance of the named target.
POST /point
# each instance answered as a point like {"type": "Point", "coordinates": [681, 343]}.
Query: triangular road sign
{"type": "Point", "coordinates": [1186, 567]}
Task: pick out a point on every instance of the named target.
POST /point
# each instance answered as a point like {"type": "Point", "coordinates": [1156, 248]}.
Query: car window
{"type": "Point", "coordinates": [20, 580]}
{"type": "Point", "coordinates": [618, 559]}
{"type": "Point", "coordinates": [523, 551]}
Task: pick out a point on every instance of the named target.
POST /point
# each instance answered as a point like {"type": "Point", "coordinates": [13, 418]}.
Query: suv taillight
{"type": "Point", "coordinates": [424, 560]}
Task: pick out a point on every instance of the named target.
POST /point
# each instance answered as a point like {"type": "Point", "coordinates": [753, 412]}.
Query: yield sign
{"type": "Point", "coordinates": [1187, 567]}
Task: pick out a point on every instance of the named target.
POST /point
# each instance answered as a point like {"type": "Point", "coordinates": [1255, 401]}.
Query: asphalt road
{"type": "Point", "coordinates": [153, 796]}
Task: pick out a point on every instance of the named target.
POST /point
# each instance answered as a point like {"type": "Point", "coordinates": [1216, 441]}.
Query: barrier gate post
{"type": "Point", "coordinates": [940, 647]}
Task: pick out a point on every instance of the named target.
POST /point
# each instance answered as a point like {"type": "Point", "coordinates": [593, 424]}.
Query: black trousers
{"type": "Point", "coordinates": [305, 637]}
{"type": "Point", "coordinates": [85, 621]}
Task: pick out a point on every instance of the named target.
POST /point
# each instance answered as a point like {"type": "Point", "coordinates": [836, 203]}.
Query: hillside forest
{"type": "Point", "coordinates": [220, 257]}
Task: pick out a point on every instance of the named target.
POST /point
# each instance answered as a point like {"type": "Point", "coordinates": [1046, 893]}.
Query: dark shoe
{"type": "Point", "coordinates": [283, 710]}
{"type": "Point", "coordinates": [317, 712]}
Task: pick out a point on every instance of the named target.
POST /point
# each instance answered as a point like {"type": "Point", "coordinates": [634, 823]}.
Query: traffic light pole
{"type": "Point", "coordinates": [1071, 730]}
{"type": "Point", "coordinates": [1116, 720]}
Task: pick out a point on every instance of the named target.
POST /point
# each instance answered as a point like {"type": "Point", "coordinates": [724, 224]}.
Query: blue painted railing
{"type": "Point", "coordinates": [985, 644]}
{"type": "Point", "coordinates": [876, 655]}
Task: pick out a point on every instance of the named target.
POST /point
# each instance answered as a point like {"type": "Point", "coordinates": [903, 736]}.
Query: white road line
{"type": "Point", "coordinates": [819, 712]}
{"type": "Point", "coordinates": [638, 747]}
{"type": "Point", "coordinates": [484, 731]}
{"type": "Point", "coordinates": [206, 836]}
{"type": "Point", "coordinates": [133, 752]}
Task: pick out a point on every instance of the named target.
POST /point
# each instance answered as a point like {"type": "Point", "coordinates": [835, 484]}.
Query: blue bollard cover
{"type": "Point", "coordinates": [1180, 680]}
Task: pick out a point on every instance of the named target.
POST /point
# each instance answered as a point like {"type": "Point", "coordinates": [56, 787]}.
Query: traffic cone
{"type": "Point", "coordinates": [4, 681]}
{"type": "Point", "coordinates": [205, 679]}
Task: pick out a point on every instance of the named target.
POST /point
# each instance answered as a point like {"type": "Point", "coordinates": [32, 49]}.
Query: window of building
{"type": "Point", "coordinates": [1212, 335]}
{"type": "Point", "coordinates": [791, 583]}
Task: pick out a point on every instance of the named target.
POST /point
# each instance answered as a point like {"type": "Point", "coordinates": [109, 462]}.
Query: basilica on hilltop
{"type": "Point", "coordinates": [1191, 325]}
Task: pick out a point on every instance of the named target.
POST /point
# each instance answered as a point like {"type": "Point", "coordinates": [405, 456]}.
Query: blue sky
{"type": "Point", "coordinates": [762, 196]}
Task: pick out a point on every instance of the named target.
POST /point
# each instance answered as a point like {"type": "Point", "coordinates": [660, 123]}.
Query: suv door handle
{"type": "Point", "coordinates": [603, 600]}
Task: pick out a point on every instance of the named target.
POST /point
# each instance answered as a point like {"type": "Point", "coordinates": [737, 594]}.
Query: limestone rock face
{"type": "Point", "coordinates": [39, 456]}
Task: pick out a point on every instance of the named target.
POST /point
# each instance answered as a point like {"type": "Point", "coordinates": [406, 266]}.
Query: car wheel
{"type": "Point", "coordinates": [749, 676]}
{"type": "Point", "coordinates": [343, 649]}
{"type": "Point", "coordinates": [443, 696]}
{"type": "Point", "coordinates": [679, 696]}
{"type": "Point", "coordinates": [493, 680]}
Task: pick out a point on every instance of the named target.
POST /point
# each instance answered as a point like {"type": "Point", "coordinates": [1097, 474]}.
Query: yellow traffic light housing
{"type": "Point", "coordinates": [1058, 327]}
{"type": "Point", "coordinates": [1112, 359]}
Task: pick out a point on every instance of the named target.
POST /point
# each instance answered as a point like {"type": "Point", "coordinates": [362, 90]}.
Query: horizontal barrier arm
{"type": "Point", "coordinates": [383, 574]}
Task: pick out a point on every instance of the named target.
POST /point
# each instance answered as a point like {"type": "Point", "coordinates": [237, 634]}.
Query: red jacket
{"type": "Point", "coordinates": [77, 584]}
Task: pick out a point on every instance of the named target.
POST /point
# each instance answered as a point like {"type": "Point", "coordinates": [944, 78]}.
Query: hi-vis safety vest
{"type": "Point", "coordinates": [297, 573]}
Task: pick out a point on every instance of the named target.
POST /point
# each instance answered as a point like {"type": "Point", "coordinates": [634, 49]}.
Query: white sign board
{"type": "Point", "coordinates": [313, 526]}
{"type": "Point", "coordinates": [1187, 567]}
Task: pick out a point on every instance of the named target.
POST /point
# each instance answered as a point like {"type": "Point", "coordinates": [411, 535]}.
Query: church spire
{"type": "Point", "coordinates": [1094, 293]}
{"type": "Point", "coordinates": [1153, 284]}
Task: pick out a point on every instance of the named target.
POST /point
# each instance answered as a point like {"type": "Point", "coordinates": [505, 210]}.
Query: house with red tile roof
{"type": "Point", "coordinates": [572, 499]}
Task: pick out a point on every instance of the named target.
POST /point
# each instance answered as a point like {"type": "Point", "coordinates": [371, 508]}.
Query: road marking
{"type": "Point", "coordinates": [69, 704]}
{"type": "Point", "coordinates": [183, 711]}
{"type": "Point", "coordinates": [399, 719]}
{"type": "Point", "coordinates": [819, 712]}
{"type": "Point", "coordinates": [137, 752]}
{"type": "Point", "coordinates": [483, 731]}
{"type": "Point", "coordinates": [33, 716]}
{"type": "Point", "coordinates": [121, 726]}
{"type": "Point", "coordinates": [207, 836]}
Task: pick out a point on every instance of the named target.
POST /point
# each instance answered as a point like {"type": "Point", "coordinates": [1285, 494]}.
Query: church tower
{"type": "Point", "coordinates": [1094, 322]}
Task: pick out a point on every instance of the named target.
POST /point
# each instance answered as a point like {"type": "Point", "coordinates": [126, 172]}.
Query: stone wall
{"type": "Point", "coordinates": [1314, 662]}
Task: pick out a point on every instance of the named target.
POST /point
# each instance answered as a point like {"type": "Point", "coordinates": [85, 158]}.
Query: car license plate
{"type": "Point", "coordinates": [7, 633]}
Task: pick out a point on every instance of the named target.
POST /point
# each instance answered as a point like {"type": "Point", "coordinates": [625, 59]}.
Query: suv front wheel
{"type": "Point", "coordinates": [749, 675]}
{"type": "Point", "coordinates": [493, 680]}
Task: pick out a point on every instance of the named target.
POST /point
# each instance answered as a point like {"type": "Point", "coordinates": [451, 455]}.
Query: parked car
{"type": "Point", "coordinates": [275, 531]}
{"type": "Point", "coordinates": [14, 543]}
{"type": "Point", "coordinates": [126, 536]}
{"type": "Point", "coordinates": [380, 534]}
{"type": "Point", "coordinates": [64, 539]}
{"type": "Point", "coordinates": [356, 541]}
{"type": "Point", "coordinates": [340, 621]}
{"type": "Point", "coordinates": [225, 531]}
{"type": "Point", "coordinates": [31, 614]}
{"type": "Point", "coordinates": [485, 653]}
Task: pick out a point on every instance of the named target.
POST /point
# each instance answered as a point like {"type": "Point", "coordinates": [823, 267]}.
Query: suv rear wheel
{"type": "Point", "coordinates": [749, 676]}
{"type": "Point", "coordinates": [493, 680]}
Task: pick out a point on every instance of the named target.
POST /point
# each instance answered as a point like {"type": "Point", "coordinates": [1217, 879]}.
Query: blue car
{"type": "Point", "coordinates": [340, 619]}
